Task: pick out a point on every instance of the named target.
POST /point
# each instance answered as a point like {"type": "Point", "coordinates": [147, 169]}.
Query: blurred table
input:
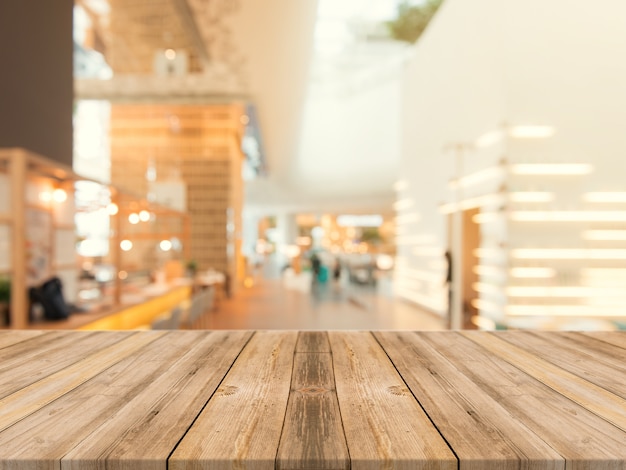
{"type": "Point", "coordinates": [312, 400]}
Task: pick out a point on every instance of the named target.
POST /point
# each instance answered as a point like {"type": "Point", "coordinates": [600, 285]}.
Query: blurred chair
{"type": "Point", "coordinates": [169, 322]}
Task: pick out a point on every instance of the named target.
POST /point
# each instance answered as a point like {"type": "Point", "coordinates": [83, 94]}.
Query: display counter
{"type": "Point", "coordinates": [134, 313]}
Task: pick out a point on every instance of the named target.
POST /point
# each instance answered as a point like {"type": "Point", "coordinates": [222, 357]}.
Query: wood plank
{"type": "Point", "coordinates": [46, 435]}
{"type": "Point", "coordinates": [8, 339]}
{"type": "Point", "coordinates": [142, 427]}
{"type": "Point", "coordinates": [482, 433]}
{"type": "Point", "coordinates": [312, 435]}
{"type": "Point", "coordinates": [38, 394]}
{"type": "Point", "coordinates": [590, 396]}
{"type": "Point", "coordinates": [30, 361]}
{"type": "Point", "coordinates": [241, 425]}
{"type": "Point", "coordinates": [616, 338]}
{"type": "Point", "coordinates": [313, 341]}
{"type": "Point", "coordinates": [584, 439]}
{"type": "Point", "coordinates": [385, 426]}
{"type": "Point", "coordinates": [594, 361]}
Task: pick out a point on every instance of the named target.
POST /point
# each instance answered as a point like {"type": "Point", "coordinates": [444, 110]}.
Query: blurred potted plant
{"type": "Point", "coordinates": [5, 300]}
{"type": "Point", "coordinates": [192, 268]}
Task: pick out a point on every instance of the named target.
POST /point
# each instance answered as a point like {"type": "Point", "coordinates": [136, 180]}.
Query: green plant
{"type": "Point", "coordinates": [5, 290]}
{"type": "Point", "coordinates": [192, 265]}
{"type": "Point", "coordinates": [412, 20]}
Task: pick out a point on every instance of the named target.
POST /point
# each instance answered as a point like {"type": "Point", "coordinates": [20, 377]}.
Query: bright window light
{"type": "Point", "coordinates": [359, 220]}
{"type": "Point", "coordinates": [568, 253]}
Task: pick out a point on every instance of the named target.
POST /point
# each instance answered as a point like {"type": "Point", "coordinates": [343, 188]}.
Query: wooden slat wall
{"type": "Point", "coordinates": [312, 400]}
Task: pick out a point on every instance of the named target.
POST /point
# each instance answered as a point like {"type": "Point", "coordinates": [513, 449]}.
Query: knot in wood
{"type": "Point", "coordinates": [398, 390]}
{"type": "Point", "coordinates": [227, 390]}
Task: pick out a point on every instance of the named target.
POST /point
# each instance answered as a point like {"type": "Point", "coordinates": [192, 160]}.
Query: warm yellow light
{"type": "Point", "coordinates": [531, 196]}
{"type": "Point", "coordinates": [126, 245]}
{"type": "Point", "coordinates": [303, 240]}
{"type": "Point", "coordinates": [533, 273]}
{"type": "Point", "coordinates": [485, 253]}
{"type": "Point", "coordinates": [122, 275]}
{"type": "Point", "coordinates": [59, 195]}
{"type": "Point", "coordinates": [605, 197]}
{"type": "Point", "coordinates": [557, 169]}
{"type": "Point", "coordinates": [144, 216]}
{"type": "Point", "coordinates": [531, 132]}
{"type": "Point", "coordinates": [415, 239]}
{"type": "Point", "coordinates": [165, 245]}
{"type": "Point", "coordinates": [112, 209]}
{"type": "Point", "coordinates": [133, 218]}
{"type": "Point", "coordinates": [248, 282]}
{"type": "Point", "coordinates": [45, 196]}
{"type": "Point", "coordinates": [170, 54]}
{"type": "Point", "coordinates": [604, 234]}
{"type": "Point", "coordinates": [419, 274]}
{"type": "Point", "coordinates": [485, 217]}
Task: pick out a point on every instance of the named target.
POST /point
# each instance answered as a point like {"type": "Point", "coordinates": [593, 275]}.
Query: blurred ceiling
{"type": "Point", "coordinates": [204, 51]}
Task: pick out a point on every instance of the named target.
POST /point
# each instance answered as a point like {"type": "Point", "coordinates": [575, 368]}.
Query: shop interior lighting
{"type": "Point", "coordinates": [485, 217]}
{"type": "Point", "coordinates": [428, 251]}
{"type": "Point", "coordinates": [568, 216]}
{"type": "Point", "coordinates": [531, 196]}
{"type": "Point", "coordinates": [471, 203]}
{"type": "Point", "coordinates": [484, 288]}
{"type": "Point", "coordinates": [144, 215]}
{"type": "Point", "coordinates": [133, 218]}
{"type": "Point", "coordinates": [126, 245]}
{"type": "Point", "coordinates": [545, 169]}
{"type": "Point", "coordinates": [488, 271]}
{"type": "Point", "coordinates": [605, 197]}
{"type": "Point", "coordinates": [112, 209]}
{"type": "Point", "coordinates": [59, 195]}
{"type": "Point", "coordinates": [476, 178]}
{"type": "Point", "coordinates": [533, 273]}
{"type": "Point", "coordinates": [165, 245]}
{"type": "Point", "coordinates": [564, 291]}
{"type": "Point", "coordinates": [568, 253]}
{"type": "Point", "coordinates": [404, 219]}
{"type": "Point", "coordinates": [564, 311]}
{"type": "Point", "coordinates": [605, 235]}
{"type": "Point", "coordinates": [531, 132]}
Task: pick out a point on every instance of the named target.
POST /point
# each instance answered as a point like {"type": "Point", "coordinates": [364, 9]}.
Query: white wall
{"type": "Point", "coordinates": [454, 92]}
{"type": "Point", "coordinates": [485, 63]}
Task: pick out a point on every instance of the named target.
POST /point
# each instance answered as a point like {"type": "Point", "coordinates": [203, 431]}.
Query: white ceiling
{"type": "Point", "coordinates": [327, 98]}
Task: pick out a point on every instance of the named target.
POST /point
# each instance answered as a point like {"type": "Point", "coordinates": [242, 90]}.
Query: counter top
{"type": "Point", "coordinates": [312, 400]}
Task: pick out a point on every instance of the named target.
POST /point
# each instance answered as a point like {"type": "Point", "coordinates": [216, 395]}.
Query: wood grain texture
{"type": "Point", "coordinates": [29, 361]}
{"type": "Point", "coordinates": [587, 394]}
{"type": "Point", "coordinates": [584, 439]}
{"type": "Point", "coordinates": [312, 435]}
{"type": "Point", "coordinates": [482, 433]}
{"type": "Point", "coordinates": [241, 425]}
{"type": "Point", "coordinates": [385, 427]}
{"type": "Point", "coordinates": [35, 396]}
{"type": "Point", "coordinates": [146, 429]}
{"type": "Point", "coordinates": [581, 355]}
{"type": "Point", "coordinates": [615, 338]}
{"type": "Point", "coordinates": [17, 337]}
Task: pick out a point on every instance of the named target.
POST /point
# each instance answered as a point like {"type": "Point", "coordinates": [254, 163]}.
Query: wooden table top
{"type": "Point", "coordinates": [312, 400]}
